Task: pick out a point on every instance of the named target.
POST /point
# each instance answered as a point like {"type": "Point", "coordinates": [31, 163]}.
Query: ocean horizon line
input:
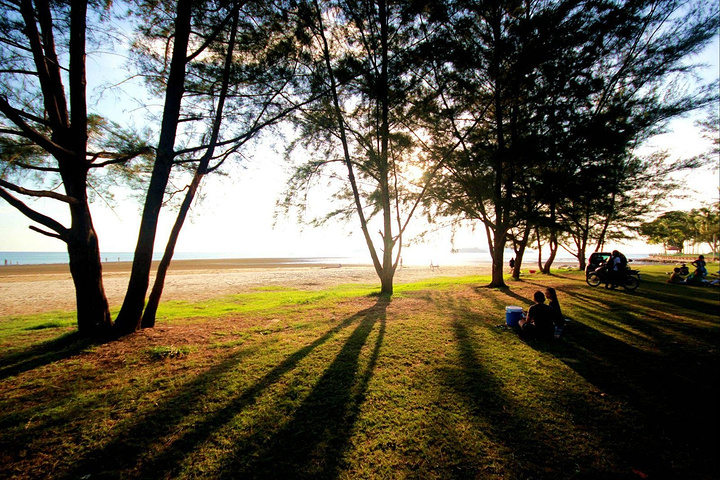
{"type": "Point", "coordinates": [453, 258]}
{"type": "Point", "coordinates": [50, 258]}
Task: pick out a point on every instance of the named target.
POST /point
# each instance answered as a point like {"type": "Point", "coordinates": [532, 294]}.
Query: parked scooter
{"type": "Point", "coordinates": [628, 279]}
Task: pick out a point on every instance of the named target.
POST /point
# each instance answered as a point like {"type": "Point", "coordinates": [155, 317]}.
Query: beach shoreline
{"type": "Point", "coordinates": [32, 289]}
{"type": "Point", "coordinates": [114, 267]}
{"type": "Point", "coordinates": [39, 288]}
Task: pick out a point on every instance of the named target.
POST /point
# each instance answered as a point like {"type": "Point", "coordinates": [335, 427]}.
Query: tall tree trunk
{"type": "Point", "coordinates": [93, 313]}
{"type": "Point", "coordinates": [337, 110]}
{"type": "Point", "coordinates": [552, 241]}
{"type": "Point", "coordinates": [130, 316]}
{"type": "Point", "coordinates": [148, 318]}
{"type": "Point", "coordinates": [539, 248]}
{"type": "Point", "coordinates": [553, 245]}
{"type": "Point", "coordinates": [520, 252]}
{"type": "Point", "coordinates": [498, 251]}
{"type": "Point", "coordinates": [388, 268]}
{"type": "Point", "coordinates": [582, 253]}
{"type": "Point", "coordinates": [501, 199]}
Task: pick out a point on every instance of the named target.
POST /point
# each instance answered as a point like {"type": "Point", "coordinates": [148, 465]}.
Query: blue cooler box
{"type": "Point", "coordinates": [513, 315]}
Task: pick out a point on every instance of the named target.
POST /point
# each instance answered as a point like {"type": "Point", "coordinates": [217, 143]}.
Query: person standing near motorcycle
{"type": "Point", "coordinates": [614, 272]}
{"type": "Point", "coordinates": [616, 265]}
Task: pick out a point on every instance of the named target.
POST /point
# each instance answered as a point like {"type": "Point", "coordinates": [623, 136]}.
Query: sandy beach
{"type": "Point", "coordinates": [27, 289]}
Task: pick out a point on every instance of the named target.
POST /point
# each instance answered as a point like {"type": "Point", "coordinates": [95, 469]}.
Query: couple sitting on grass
{"type": "Point", "coordinates": [542, 321]}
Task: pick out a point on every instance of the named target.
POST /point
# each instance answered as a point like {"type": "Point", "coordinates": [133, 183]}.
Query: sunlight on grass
{"type": "Point", "coordinates": [13, 325]}
{"type": "Point", "coordinates": [341, 383]}
{"type": "Point", "coordinates": [171, 351]}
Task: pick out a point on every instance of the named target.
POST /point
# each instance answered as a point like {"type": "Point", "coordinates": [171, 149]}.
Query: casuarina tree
{"type": "Point", "coordinates": [247, 79]}
{"type": "Point", "coordinates": [366, 57]}
{"type": "Point", "coordinates": [563, 92]}
{"type": "Point", "coordinates": [52, 146]}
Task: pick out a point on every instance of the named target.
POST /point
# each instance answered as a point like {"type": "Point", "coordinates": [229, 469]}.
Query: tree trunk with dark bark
{"type": "Point", "coordinates": [498, 265]}
{"type": "Point", "coordinates": [130, 317]}
{"type": "Point", "coordinates": [553, 245]}
{"type": "Point", "coordinates": [388, 268]}
{"type": "Point", "coordinates": [93, 312]}
{"type": "Point", "coordinates": [519, 254]}
{"type": "Point", "coordinates": [148, 318]}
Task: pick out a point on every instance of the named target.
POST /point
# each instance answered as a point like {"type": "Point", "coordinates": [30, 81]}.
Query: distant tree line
{"type": "Point", "coordinates": [521, 115]}
{"type": "Point", "coordinates": [675, 230]}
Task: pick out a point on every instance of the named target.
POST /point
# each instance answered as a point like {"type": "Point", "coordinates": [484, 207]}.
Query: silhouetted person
{"type": "Point", "coordinates": [539, 320]}
{"type": "Point", "coordinates": [558, 318]}
{"type": "Point", "coordinates": [676, 277]}
{"type": "Point", "coordinates": [700, 265]}
{"type": "Point", "coordinates": [616, 265]}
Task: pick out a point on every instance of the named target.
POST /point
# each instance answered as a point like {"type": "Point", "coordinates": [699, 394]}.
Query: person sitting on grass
{"type": "Point", "coordinates": [695, 278]}
{"type": "Point", "coordinates": [554, 304]}
{"type": "Point", "coordinates": [539, 320]}
{"type": "Point", "coordinates": [676, 277]}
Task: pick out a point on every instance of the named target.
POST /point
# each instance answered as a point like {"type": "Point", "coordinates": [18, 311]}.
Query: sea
{"type": "Point", "coordinates": [438, 259]}
{"type": "Point", "coordinates": [47, 258]}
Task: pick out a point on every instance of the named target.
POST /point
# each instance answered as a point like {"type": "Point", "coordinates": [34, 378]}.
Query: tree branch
{"type": "Point", "coordinates": [39, 193]}
{"type": "Point", "coordinates": [39, 169]}
{"type": "Point", "coordinates": [114, 158]}
{"type": "Point", "coordinates": [62, 232]}
{"type": "Point", "coordinates": [19, 72]}
{"type": "Point", "coordinates": [211, 38]}
{"type": "Point", "coordinates": [49, 234]}
{"type": "Point", "coordinates": [15, 117]}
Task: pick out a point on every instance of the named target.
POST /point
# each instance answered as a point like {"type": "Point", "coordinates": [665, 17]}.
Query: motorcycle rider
{"type": "Point", "coordinates": [616, 265]}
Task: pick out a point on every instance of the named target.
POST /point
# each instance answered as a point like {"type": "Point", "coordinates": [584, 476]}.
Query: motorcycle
{"type": "Point", "coordinates": [628, 279]}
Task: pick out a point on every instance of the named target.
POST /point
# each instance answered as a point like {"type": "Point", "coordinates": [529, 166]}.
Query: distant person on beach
{"type": "Point", "coordinates": [700, 265]}
{"type": "Point", "coordinates": [539, 320]}
{"type": "Point", "coordinates": [512, 262]}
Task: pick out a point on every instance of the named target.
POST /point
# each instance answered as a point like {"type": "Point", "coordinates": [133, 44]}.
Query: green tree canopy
{"type": "Point", "coordinates": [562, 94]}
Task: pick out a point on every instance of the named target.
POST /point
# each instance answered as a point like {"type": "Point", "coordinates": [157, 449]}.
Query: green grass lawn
{"type": "Point", "coordinates": [342, 383]}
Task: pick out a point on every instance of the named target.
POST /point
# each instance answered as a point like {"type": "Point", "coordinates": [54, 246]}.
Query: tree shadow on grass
{"type": "Point", "coordinates": [671, 393]}
{"type": "Point", "coordinates": [657, 318]}
{"type": "Point", "coordinates": [44, 353]}
{"type": "Point", "coordinates": [657, 352]}
{"type": "Point", "coordinates": [665, 425]}
{"type": "Point", "coordinates": [312, 443]}
{"type": "Point", "coordinates": [507, 291]}
{"type": "Point", "coordinates": [683, 298]}
{"type": "Point", "coordinates": [130, 450]}
{"type": "Point", "coordinates": [519, 445]}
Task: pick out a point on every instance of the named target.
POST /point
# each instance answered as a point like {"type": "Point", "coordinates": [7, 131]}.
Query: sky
{"type": "Point", "coordinates": [238, 214]}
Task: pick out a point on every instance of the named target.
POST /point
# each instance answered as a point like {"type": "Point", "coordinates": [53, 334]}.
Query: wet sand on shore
{"type": "Point", "coordinates": [28, 289]}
